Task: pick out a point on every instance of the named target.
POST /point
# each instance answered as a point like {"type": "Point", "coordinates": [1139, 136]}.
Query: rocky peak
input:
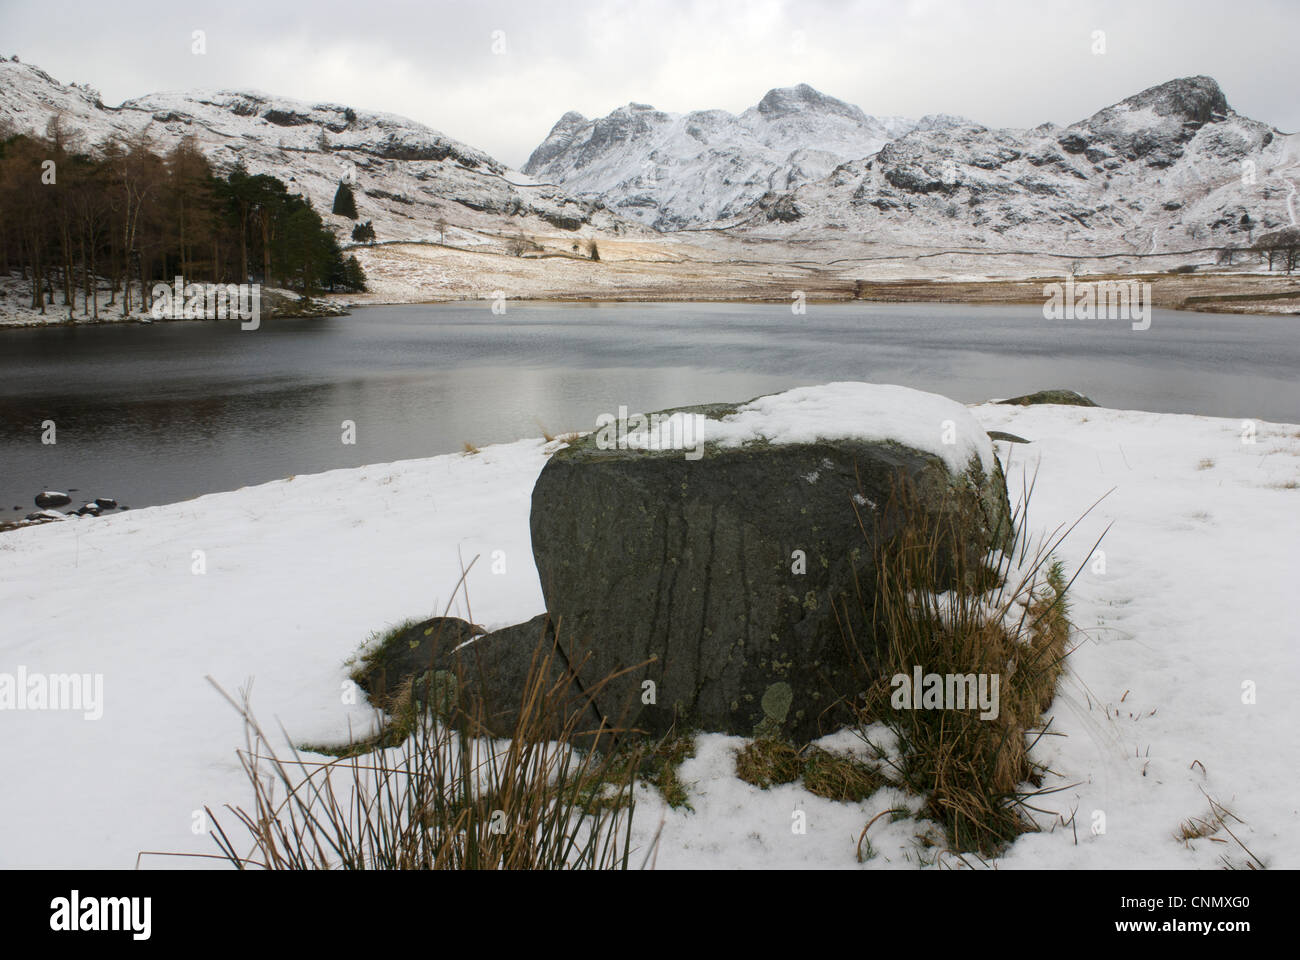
{"type": "Point", "coordinates": [1198, 100]}
{"type": "Point", "coordinates": [1152, 125]}
{"type": "Point", "coordinates": [557, 141]}
{"type": "Point", "coordinates": [785, 101]}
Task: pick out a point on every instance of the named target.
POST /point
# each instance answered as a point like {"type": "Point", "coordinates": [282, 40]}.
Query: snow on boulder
{"type": "Point", "coordinates": [40, 516]}
{"type": "Point", "coordinates": [52, 498]}
{"type": "Point", "coordinates": [710, 544]}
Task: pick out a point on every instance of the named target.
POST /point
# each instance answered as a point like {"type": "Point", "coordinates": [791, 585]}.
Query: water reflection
{"type": "Point", "coordinates": [170, 411]}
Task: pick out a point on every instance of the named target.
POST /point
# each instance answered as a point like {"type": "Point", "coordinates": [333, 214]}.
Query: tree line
{"type": "Point", "coordinates": [1280, 248]}
{"type": "Point", "coordinates": [125, 215]}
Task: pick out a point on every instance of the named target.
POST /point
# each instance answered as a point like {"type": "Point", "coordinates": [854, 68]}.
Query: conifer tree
{"type": "Point", "coordinates": [345, 204]}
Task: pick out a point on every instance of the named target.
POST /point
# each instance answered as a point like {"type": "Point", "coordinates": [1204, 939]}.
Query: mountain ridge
{"type": "Point", "coordinates": [675, 170]}
{"type": "Point", "coordinates": [1170, 167]}
{"type": "Point", "coordinates": [410, 177]}
{"type": "Point", "coordinates": [1147, 173]}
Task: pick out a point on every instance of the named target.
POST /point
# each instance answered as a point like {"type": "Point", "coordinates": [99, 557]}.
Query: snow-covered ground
{"type": "Point", "coordinates": [1196, 600]}
{"type": "Point", "coordinates": [16, 308]}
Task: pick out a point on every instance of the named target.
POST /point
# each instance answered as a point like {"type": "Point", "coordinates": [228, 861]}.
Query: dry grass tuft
{"type": "Point", "coordinates": [443, 797]}
{"type": "Point", "coordinates": [1209, 826]}
{"type": "Point", "coordinates": [839, 777]}
{"type": "Point", "coordinates": [766, 763]}
{"type": "Point", "coordinates": [936, 609]}
{"type": "Point", "coordinates": [661, 765]}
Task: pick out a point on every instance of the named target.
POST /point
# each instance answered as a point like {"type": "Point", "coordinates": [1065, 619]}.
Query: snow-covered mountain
{"type": "Point", "coordinates": [1171, 168]}
{"type": "Point", "coordinates": [673, 170]}
{"type": "Point", "coordinates": [408, 177]}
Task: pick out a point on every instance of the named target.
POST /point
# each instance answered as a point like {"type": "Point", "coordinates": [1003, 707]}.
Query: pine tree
{"type": "Point", "coordinates": [354, 276]}
{"type": "Point", "coordinates": [345, 204]}
{"type": "Point", "coordinates": [364, 232]}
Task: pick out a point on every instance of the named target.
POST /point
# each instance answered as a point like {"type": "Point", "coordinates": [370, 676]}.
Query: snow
{"type": "Point", "coordinates": [1192, 604]}
{"type": "Point", "coordinates": [298, 574]}
{"type": "Point", "coordinates": [16, 309]}
{"type": "Point", "coordinates": [673, 170]}
{"type": "Point", "coordinates": [1008, 189]}
{"type": "Point", "coordinates": [408, 176]}
{"type": "Point", "coordinates": [1139, 118]}
{"type": "Point", "coordinates": [1195, 599]}
{"type": "Point", "coordinates": [865, 411]}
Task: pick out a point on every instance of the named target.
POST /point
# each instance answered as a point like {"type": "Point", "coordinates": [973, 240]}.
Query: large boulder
{"type": "Point", "coordinates": [729, 573]}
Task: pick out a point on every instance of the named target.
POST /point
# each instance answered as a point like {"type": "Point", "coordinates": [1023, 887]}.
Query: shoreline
{"type": "Point", "coordinates": [991, 292]}
{"type": "Point", "coordinates": [9, 525]}
{"type": "Point", "coordinates": [336, 309]}
{"type": "Point", "coordinates": [400, 275]}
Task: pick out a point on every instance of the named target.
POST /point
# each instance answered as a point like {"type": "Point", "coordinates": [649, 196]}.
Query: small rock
{"type": "Point", "coordinates": [52, 498]}
{"type": "Point", "coordinates": [1069, 398]}
{"type": "Point", "coordinates": [88, 510]}
{"type": "Point", "coordinates": [106, 503]}
{"type": "Point", "coordinates": [1009, 437]}
{"type": "Point", "coordinates": [40, 516]}
{"type": "Point", "coordinates": [413, 652]}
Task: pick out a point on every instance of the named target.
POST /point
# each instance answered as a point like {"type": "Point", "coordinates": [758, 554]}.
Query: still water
{"type": "Point", "coordinates": [165, 412]}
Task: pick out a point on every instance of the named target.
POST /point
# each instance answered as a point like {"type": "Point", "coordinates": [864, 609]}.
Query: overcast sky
{"type": "Point", "coordinates": [497, 74]}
